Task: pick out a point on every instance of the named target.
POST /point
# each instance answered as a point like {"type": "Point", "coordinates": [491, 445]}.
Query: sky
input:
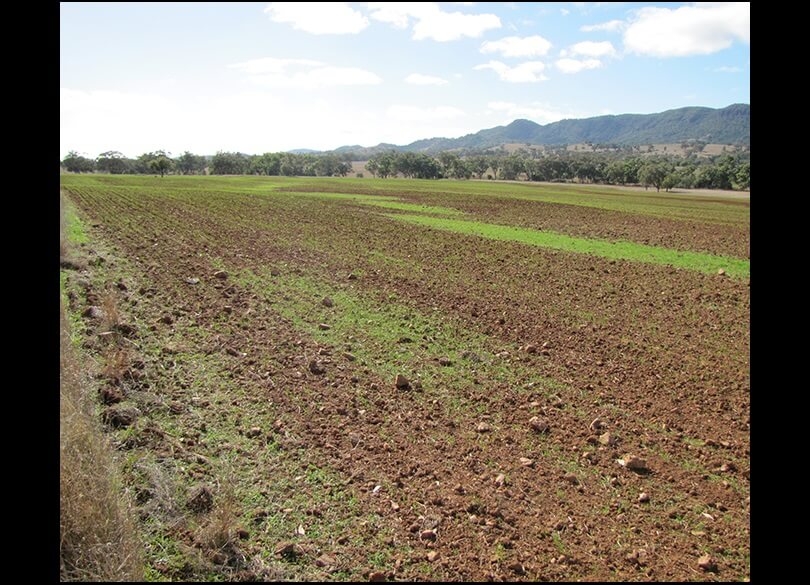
{"type": "Point", "coordinates": [259, 77]}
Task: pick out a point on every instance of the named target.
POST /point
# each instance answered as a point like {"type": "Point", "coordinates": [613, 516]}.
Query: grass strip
{"type": "Point", "coordinates": [616, 250]}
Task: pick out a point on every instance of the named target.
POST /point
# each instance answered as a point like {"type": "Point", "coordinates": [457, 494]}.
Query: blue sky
{"type": "Point", "coordinates": [264, 77]}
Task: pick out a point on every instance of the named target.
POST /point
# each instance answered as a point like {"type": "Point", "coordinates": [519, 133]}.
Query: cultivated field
{"type": "Point", "coordinates": [577, 398]}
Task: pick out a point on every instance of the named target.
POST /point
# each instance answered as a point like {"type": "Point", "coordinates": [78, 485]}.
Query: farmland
{"type": "Point", "coordinates": [546, 333]}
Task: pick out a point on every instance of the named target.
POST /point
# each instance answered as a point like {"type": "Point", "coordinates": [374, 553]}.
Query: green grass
{"type": "Point", "coordinates": [375, 200]}
{"type": "Point", "coordinates": [617, 250]}
{"type": "Point", "coordinates": [76, 231]}
{"type": "Point", "coordinates": [665, 205]}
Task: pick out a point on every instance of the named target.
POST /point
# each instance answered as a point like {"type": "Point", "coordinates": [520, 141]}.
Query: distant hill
{"type": "Point", "coordinates": [729, 125]}
{"type": "Point", "coordinates": [303, 151]}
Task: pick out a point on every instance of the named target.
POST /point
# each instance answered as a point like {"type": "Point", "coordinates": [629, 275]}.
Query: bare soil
{"type": "Point", "coordinates": [656, 357]}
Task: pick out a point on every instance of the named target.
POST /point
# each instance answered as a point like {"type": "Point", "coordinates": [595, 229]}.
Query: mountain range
{"type": "Point", "coordinates": [729, 125]}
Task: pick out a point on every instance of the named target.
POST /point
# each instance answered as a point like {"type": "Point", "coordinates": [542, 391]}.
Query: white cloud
{"type": "Point", "coordinates": [528, 72]}
{"type": "Point", "coordinates": [592, 49]}
{"type": "Point", "coordinates": [419, 79]}
{"type": "Point", "coordinates": [431, 22]}
{"type": "Point", "coordinates": [727, 69]}
{"type": "Point", "coordinates": [97, 121]}
{"type": "Point", "coordinates": [273, 65]}
{"type": "Point", "coordinates": [535, 111]}
{"type": "Point", "coordinates": [397, 14]}
{"type": "Point", "coordinates": [303, 73]}
{"type": "Point", "coordinates": [609, 26]}
{"type": "Point", "coordinates": [699, 29]}
{"type": "Point", "coordinates": [318, 18]}
{"type": "Point", "coordinates": [533, 46]}
{"type": "Point", "coordinates": [576, 65]}
{"type": "Point", "coordinates": [416, 114]}
{"type": "Point", "coordinates": [565, 11]}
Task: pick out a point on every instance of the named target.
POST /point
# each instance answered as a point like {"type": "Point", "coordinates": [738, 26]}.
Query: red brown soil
{"type": "Point", "coordinates": [728, 239]}
{"type": "Point", "coordinates": [660, 355]}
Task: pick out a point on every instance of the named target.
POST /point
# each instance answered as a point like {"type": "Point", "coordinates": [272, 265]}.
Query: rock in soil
{"type": "Point", "coordinates": [289, 550]}
{"type": "Point", "coordinates": [193, 280]}
{"type": "Point", "coordinates": [93, 313]}
{"type": "Point", "coordinates": [538, 424]}
{"type": "Point", "coordinates": [221, 274]}
{"type": "Point", "coordinates": [638, 557]}
{"type": "Point", "coordinates": [316, 368]}
{"type": "Point", "coordinates": [526, 462]}
{"type": "Point", "coordinates": [201, 498]}
{"type": "Point", "coordinates": [571, 478]}
{"type": "Point", "coordinates": [432, 556]}
{"type": "Point", "coordinates": [324, 327]}
{"type": "Point", "coordinates": [110, 395]}
{"type": "Point", "coordinates": [643, 498]}
{"type": "Point", "coordinates": [125, 329]}
{"type": "Point", "coordinates": [500, 480]}
{"type": "Point", "coordinates": [327, 302]}
{"type": "Point", "coordinates": [517, 569]}
{"type": "Point", "coordinates": [607, 439]}
{"type": "Point", "coordinates": [707, 563]}
{"type": "Point", "coordinates": [401, 382]}
{"type": "Point", "coordinates": [445, 362]}
{"type": "Point", "coordinates": [428, 535]}
{"type": "Point", "coordinates": [634, 463]}
{"type": "Point", "coordinates": [376, 576]}
{"type": "Point", "coordinates": [483, 427]}
{"type": "Point", "coordinates": [121, 416]}
{"type": "Point", "coordinates": [324, 561]}
{"type": "Point", "coordinates": [253, 432]}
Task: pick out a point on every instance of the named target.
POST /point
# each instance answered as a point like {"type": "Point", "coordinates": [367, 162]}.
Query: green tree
{"type": "Point", "coordinates": [653, 174]}
{"type": "Point", "coordinates": [462, 169]}
{"type": "Point", "coordinates": [112, 162]}
{"type": "Point", "coordinates": [615, 173]}
{"type": "Point", "coordinates": [743, 176]}
{"type": "Point", "coordinates": [190, 164]}
{"type": "Point", "coordinates": [75, 163]}
{"type": "Point", "coordinates": [161, 164]}
{"type": "Point", "coordinates": [479, 165]}
{"type": "Point", "coordinates": [512, 166]}
{"type": "Point", "coordinates": [229, 163]}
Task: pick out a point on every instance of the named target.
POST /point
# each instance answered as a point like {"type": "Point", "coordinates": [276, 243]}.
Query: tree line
{"type": "Point", "coordinates": [222, 163]}
{"type": "Point", "coordinates": [720, 172]}
{"type": "Point", "coordinates": [728, 171]}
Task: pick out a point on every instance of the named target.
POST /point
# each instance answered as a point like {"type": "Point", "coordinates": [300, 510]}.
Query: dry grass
{"type": "Point", "coordinates": [97, 534]}
{"type": "Point", "coordinates": [116, 363]}
{"type": "Point", "coordinates": [111, 316]}
{"type": "Point", "coordinates": [218, 535]}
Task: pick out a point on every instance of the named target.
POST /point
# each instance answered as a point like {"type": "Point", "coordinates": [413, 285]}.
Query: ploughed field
{"type": "Point", "coordinates": [577, 398]}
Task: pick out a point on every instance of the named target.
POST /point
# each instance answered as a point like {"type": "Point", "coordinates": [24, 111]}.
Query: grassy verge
{"type": "Point", "coordinates": [98, 540]}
